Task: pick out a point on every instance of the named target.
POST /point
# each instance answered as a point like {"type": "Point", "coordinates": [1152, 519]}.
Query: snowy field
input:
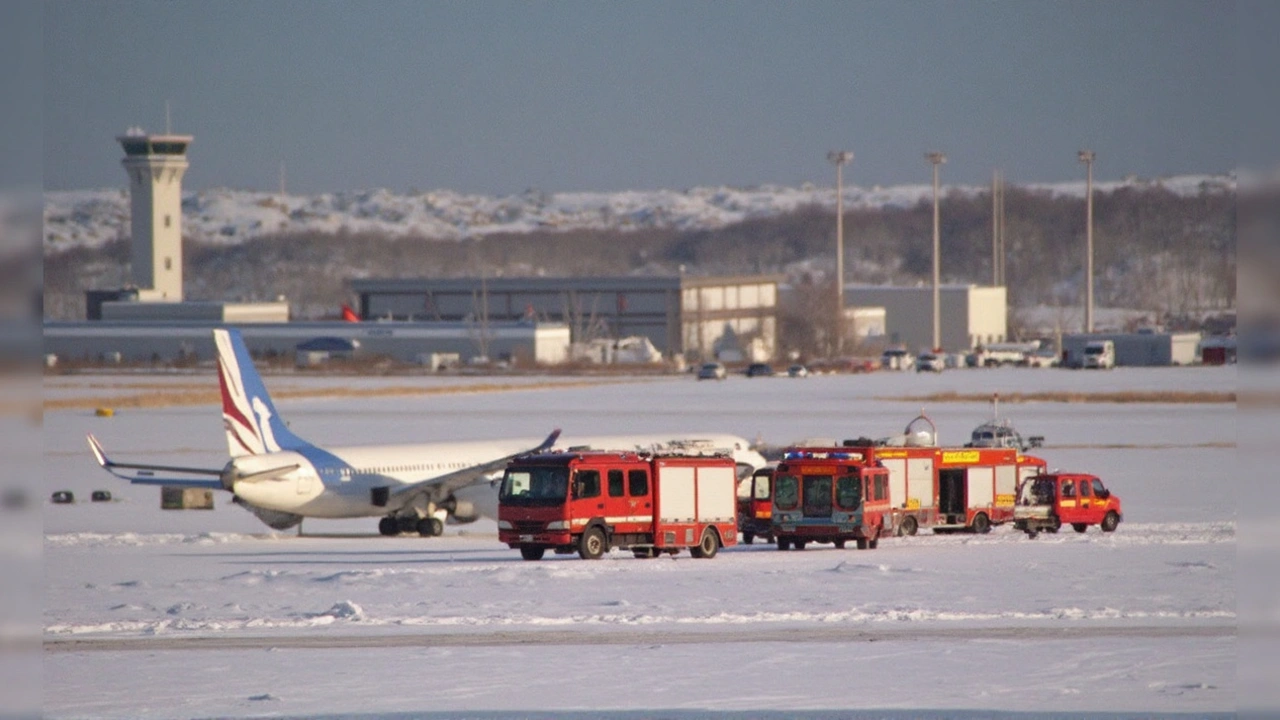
{"type": "Point", "coordinates": [159, 614]}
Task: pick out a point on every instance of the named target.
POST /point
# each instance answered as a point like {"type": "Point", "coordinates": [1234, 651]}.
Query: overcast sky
{"type": "Point", "coordinates": [496, 97]}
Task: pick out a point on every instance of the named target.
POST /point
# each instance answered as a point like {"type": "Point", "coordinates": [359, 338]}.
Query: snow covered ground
{"type": "Point", "coordinates": [89, 218]}
{"type": "Point", "coordinates": [157, 614]}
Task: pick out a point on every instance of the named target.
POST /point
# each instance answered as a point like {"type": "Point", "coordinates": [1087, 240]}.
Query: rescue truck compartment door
{"type": "Point", "coordinates": [897, 481]}
{"type": "Point", "coordinates": [715, 494]}
{"type": "Point", "coordinates": [982, 486]}
{"type": "Point", "coordinates": [951, 491]}
{"type": "Point", "coordinates": [1006, 484]}
{"type": "Point", "coordinates": [675, 494]}
{"type": "Point", "coordinates": [920, 482]}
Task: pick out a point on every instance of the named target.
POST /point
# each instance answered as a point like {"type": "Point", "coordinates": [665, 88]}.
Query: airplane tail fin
{"type": "Point", "coordinates": [348, 314]}
{"type": "Point", "coordinates": [252, 424]}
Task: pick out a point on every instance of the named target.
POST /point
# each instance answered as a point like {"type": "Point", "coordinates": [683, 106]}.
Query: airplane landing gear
{"type": "Point", "coordinates": [389, 526]}
{"type": "Point", "coordinates": [430, 527]}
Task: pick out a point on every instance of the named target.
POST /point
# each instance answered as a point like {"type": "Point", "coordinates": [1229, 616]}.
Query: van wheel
{"type": "Point", "coordinates": [800, 544]}
{"type": "Point", "coordinates": [909, 525]}
{"type": "Point", "coordinates": [839, 544]}
{"type": "Point", "coordinates": [707, 546]}
{"type": "Point", "coordinates": [1079, 527]}
{"type": "Point", "coordinates": [784, 544]}
{"type": "Point", "coordinates": [1110, 522]}
{"type": "Point", "coordinates": [748, 537]}
{"type": "Point", "coordinates": [981, 524]}
{"type": "Point", "coordinates": [862, 543]}
{"type": "Point", "coordinates": [592, 544]}
{"type": "Point", "coordinates": [530, 552]}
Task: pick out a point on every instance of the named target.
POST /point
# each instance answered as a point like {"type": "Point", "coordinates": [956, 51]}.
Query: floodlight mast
{"type": "Point", "coordinates": [936, 158]}
{"type": "Point", "coordinates": [840, 158]}
{"type": "Point", "coordinates": [1086, 157]}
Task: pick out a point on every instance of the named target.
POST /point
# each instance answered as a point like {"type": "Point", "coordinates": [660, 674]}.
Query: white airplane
{"type": "Point", "coordinates": [283, 479]}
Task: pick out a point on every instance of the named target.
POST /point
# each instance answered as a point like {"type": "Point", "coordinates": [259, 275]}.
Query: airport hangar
{"type": "Point", "coordinates": [694, 317]}
{"type": "Point", "coordinates": [970, 315]}
{"type": "Point", "coordinates": [159, 339]}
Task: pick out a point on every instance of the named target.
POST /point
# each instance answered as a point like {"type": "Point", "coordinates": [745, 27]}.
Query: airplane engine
{"type": "Point", "coordinates": [461, 512]}
{"type": "Point", "coordinates": [274, 519]}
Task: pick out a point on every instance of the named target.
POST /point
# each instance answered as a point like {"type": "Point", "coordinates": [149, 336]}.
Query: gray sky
{"type": "Point", "coordinates": [495, 97]}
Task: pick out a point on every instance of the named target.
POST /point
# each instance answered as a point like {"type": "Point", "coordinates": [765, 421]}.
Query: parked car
{"type": "Point", "coordinates": [798, 371]}
{"type": "Point", "coordinates": [759, 370]}
{"type": "Point", "coordinates": [929, 362]}
{"type": "Point", "coordinates": [712, 371]}
{"type": "Point", "coordinates": [897, 359]}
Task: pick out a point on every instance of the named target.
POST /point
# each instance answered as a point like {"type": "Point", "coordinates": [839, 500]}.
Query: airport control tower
{"type": "Point", "coordinates": [155, 164]}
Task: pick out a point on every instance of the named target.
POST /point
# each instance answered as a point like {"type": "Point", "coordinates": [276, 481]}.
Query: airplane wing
{"type": "Point", "coordinates": [442, 485]}
{"type": "Point", "coordinates": [139, 474]}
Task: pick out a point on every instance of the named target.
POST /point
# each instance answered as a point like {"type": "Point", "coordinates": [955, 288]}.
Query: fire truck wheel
{"type": "Point", "coordinates": [1110, 522]}
{"type": "Point", "coordinates": [873, 543]}
{"type": "Point", "coordinates": [592, 545]}
{"type": "Point", "coordinates": [532, 553]}
{"type": "Point", "coordinates": [800, 544]}
{"type": "Point", "coordinates": [389, 526]}
{"type": "Point", "coordinates": [707, 546]}
{"type": "Point", "coordinates": [1055, 527]}
{"type": "Point", "coordinates": [1079, 527]}
{"type": "Point", "coordinates": [839, 544]}
{"type": "Point", "coordinates": [909, 526]}
{"type": "Point", "coordinates": [748, 537]}
{"type": "Point", "coordinates": [862, 543]}
{"type": "Point", "coordinates": [784, 544]}
{"type": "Point", "coordinates": [981, 523]}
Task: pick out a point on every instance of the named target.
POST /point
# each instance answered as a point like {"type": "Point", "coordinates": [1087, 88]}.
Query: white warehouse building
{"type": "Point", "coordinates": [971, 315]}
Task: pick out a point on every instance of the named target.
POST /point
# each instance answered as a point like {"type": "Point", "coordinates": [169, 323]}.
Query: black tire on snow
{"type": "Point", "coordinates": [529, 552]}
{"type": "Point", "coordinates": [981, 524]}
{"type": "Point", "coordinates": [862, 543]}
{"type": "Point", "coordinates": [1079, 527]}
{"type": "Point", "coordinates": [592, 544]}
{"type": "Point", "coordinates": [909, 526]}
{"type": "Point", "coordinates": [389, 526]}
{"type": "Point", "coordinates": [707, 545]}
{"type": "Point", "coordinates": [748, 537]}
{"type": "Point", "coordinates": [1110, 521]}
{"type": "Point", "coordinates": [784, 544]}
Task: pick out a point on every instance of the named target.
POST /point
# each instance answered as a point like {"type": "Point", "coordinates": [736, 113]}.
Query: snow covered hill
{"type": "Point", "coordinates": [90, 218]}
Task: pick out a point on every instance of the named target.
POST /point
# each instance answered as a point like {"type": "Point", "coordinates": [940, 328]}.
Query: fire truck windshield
{"type": "Point", "coordinates": [533, 486]}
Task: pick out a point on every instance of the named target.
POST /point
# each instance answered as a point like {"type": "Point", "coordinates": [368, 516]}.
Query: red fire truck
{"type": "Point", "coordinates": [589, 502]}
{"type": "Point", "coordinates": [755, 506]}
{"type": "Point", "coordinates": [828, 495]}
{"type": "Point", "coordinates": [952, 488]}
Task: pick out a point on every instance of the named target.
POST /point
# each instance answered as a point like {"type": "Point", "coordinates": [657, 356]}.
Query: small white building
{"type": "Point", "coordinates": [970, 315]}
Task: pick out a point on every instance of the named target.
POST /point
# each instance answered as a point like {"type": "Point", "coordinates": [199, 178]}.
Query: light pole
{"type": "Point", "coordinates": [840, 158]}
{"type": "Point", "coordinates": [1086, 157]}
{"type": "Point", "coordinates": [936, 158]}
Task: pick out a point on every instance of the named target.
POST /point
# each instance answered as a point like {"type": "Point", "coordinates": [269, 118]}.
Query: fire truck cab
{"type": "Point", "coordinates": [1048, 501]}
{"type": "Point", "coordinates": [590, 502]}
{"type": "Point", "coordinates": [829, 495]}
{"type": "Point", "coordinates": [755, 506]}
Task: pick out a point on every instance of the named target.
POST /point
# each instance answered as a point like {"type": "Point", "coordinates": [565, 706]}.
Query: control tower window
{"type": "Point", "coordinates": [168, 148]}
{"type": "Point", "coordinates": [135, 147]}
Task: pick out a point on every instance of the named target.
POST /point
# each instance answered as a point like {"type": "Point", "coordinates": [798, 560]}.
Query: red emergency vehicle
{"type": "Point", "coordinates": [828, 495]}
{"type": "Point", "coordinates": [952, 488]}
{"type": "Point", "coordinates": [755, 506]}
{"type": "Point", "coordinates": [589, 502]}
{"type": "Point", "coordinates": [1047, 502]}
